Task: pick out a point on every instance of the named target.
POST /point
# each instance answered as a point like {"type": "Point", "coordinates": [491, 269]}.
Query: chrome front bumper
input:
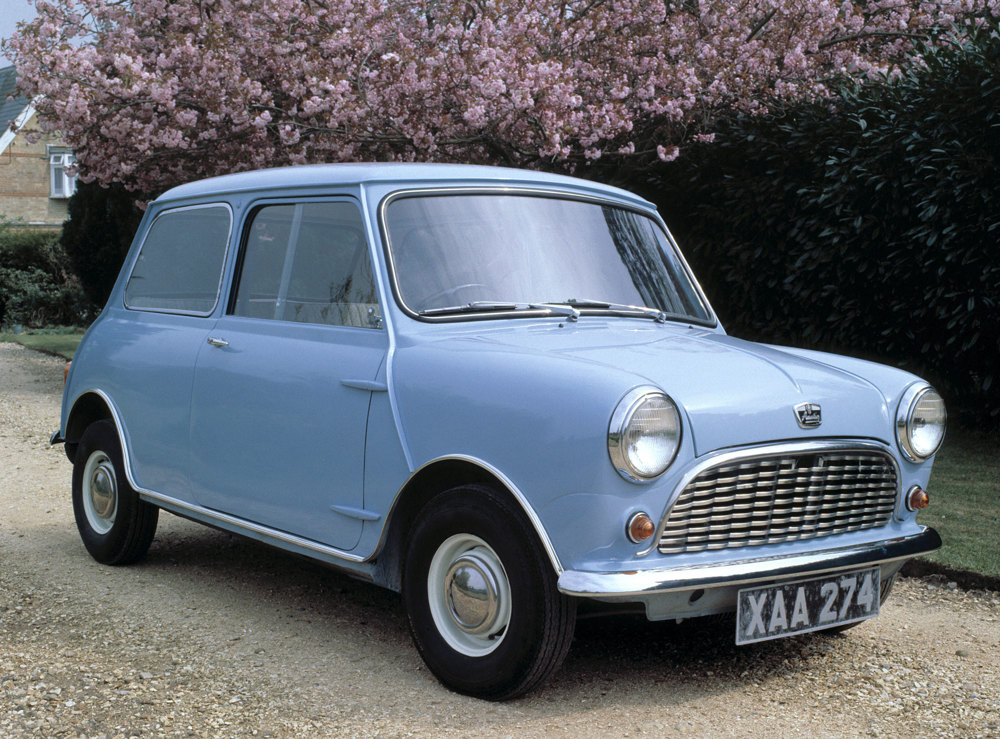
{"type": "Point", "coordinates": [638, 584]}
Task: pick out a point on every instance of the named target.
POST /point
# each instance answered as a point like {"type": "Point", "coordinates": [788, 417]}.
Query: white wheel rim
{"type": "Point", "coordinates": [100, 492]}
{"type": "Point", "coordinates": [469, 595]}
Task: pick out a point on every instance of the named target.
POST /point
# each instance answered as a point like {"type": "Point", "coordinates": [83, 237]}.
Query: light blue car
{"type": "Point", "coordinates": [498, 392]}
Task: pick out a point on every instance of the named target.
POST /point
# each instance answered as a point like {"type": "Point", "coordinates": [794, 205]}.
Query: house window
{"type": "Point", "coordinates": [61, 184]}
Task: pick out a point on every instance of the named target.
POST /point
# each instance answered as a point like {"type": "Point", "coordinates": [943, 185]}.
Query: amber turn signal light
{"type": "Point", "coordinates": [66, 371]}
{"type": "Point", "coordinates": [640, 527]}
{"type": "Point", "coordinates": [917, 499]}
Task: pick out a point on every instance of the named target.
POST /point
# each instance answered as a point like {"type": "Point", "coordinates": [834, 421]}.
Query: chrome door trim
{"type": "Point", "coordinates": [230, 523]}
{"type": "Point", "coordinates": [224, 520]}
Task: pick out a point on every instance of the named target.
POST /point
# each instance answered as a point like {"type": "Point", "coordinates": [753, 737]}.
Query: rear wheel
{"type": "Point", "coordinates": [481, 596]}
{"type": "Point", "coordinates": [116, 526]}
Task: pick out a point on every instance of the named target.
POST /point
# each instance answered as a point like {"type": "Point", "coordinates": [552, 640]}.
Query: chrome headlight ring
{"type": "Point", "coordinates": [644, 434]}
{"type": "Point", "coordinates": [920, 422]}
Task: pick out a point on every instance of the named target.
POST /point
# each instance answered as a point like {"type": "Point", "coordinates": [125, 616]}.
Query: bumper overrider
{"type": "Point", "coordinates": [639, 585]}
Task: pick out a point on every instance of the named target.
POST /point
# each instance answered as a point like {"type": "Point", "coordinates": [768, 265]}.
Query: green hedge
{"type": "Point", "coordinates": [869, 227]}
{"type": "Point", "coordinates": [36, 288]}
{"type": "Point", "coordinates": [97, 236]}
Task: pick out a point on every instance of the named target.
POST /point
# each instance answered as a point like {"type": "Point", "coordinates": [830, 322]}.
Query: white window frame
{"type": "Point", "coordinates": [61, 185]}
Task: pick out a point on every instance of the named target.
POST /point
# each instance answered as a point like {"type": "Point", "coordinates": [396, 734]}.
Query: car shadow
{"type": "Point", "coordinates": [326, 610]}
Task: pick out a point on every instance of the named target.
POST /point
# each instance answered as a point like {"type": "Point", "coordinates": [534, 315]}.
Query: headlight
{"type": "Point", "coordinates": [644, 434]}
{"type": "Point", "coordinates": [920, 422]}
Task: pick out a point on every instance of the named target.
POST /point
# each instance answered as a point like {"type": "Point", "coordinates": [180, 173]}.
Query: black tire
{"type": "Point", "coordinates": [116, 526]}
{"type": "Point", "coordinates": [465, 532]}
{"type": "Point", "coordinates": [883, 595]}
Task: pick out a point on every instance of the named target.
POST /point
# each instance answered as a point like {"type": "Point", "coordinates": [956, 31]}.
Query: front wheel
{"type": "Point", "coordinates": [116, 526]}
{"type": "Point", "coordinates": [481, 596]}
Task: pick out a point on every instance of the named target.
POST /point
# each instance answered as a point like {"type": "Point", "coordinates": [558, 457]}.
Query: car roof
{"type": "Point", "coordinates": [403, 173]}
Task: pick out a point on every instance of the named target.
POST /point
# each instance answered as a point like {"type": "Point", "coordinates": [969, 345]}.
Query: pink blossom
{"type": "Point", "coordinates": [150, 93]}
{"type": "Point", "coordinates": [667, 153]}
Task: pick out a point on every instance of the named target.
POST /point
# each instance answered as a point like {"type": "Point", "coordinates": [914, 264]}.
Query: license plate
{"type": "Point", "coordinates": [806, 605]}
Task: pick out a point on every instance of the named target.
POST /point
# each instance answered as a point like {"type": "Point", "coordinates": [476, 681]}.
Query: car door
{"type": "Point", "coordinates": [150, 341]}
{"type": "Point", "coordinates": [280, 403]}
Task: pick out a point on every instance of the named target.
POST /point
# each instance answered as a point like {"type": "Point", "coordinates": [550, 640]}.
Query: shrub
{"type": "Point", "coordinates": [35, 287]}
{"type": "Point", "coordinates": [97, 236]}
{"type": "Point", "coordinates": [870, 228]}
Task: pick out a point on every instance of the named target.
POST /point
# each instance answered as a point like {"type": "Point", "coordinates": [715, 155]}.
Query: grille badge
{"type": "Point", "coordinates": [809, 415]}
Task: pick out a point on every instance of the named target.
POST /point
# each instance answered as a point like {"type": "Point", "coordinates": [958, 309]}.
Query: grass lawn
{"type": "Point", "coordinates": [965, 502]}
{"type": "Point", "coordinates": [54, 341]}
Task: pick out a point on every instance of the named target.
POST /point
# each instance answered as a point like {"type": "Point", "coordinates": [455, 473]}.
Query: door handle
{"type": "Point", "coordinates": [217, 342]}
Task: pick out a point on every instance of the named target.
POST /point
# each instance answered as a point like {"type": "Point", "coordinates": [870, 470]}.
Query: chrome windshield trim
{"type": "Point", "coordinates": [769, 450]}
{"type": "Point", "coordinates": [637, 583]}
{"type": "Point", "coordinates": [558, 194]}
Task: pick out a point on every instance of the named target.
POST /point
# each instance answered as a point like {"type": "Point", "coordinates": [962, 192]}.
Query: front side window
{"type": "Point", "coordinates": [485, 251]}
{"type": "Point", "coordinates": [308, 263]}
{"type": "Point", "coordinates": [179, 268]}
{"type": "Point", "coordinates": [61, 184]}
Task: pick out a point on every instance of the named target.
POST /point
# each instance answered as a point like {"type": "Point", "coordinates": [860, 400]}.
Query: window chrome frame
{"type": "Point", "coordinates": [222, 266]}
{"type": "Point", "coordinates": [555, 194]}
{"type": "Point", "coordinates": [253, 208]}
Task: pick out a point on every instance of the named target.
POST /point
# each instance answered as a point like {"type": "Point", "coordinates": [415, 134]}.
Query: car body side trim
{"type": "Point", "coordinates": [522, 500]}
{"type": "Point", "coordinates": [208, 515]}
{"type": "Point", "coordinates": [638, 583]}
{"type": "Point", "coordinates": [233, 522]}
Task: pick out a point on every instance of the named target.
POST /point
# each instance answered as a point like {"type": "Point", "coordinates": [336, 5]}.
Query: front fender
{"type": "Point", "coordinates": [541, 421]}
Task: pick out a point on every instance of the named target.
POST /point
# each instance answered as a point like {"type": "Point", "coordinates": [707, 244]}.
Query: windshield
{"type": "Point", "coordinates": [462, 253]}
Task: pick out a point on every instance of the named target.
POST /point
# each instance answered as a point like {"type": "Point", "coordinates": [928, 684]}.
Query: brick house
{"type": "Point", "coordinates": [34, 186]}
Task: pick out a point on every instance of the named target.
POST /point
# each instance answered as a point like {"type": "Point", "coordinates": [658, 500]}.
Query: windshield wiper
{"type": "Point", "coordinates": [477, 306]}
{"type": "Point", "coordinates": [632, 310]}
{"type": "Point", "coordinates": [473, 307]}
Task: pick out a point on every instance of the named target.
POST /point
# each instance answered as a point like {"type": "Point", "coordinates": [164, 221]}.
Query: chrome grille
{"type": "Point", "coordinates": [781, 498]}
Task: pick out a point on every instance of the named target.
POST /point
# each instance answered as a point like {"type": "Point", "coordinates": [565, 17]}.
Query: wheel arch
{"type": "Point", "coordinates": [89, 407]}
{"type": "Point", "coordinates": [423, 485]}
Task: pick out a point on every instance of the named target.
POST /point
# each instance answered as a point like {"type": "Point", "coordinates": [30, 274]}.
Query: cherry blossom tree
{"type": "Point", "coordinates": [154, 92]}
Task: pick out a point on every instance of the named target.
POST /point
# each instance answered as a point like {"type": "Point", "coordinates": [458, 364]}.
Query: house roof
{"type": "Point", "coordinates": [8, 86]}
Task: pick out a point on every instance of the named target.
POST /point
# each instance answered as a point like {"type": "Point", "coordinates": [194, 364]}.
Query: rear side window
{"type": "Point", "coordinates": [308, 263]}
{"type": "Point", "coordinates": [179, 268]}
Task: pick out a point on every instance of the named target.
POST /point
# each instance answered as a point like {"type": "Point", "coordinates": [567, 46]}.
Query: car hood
{"type": "Point", "coordinates": [733, 392]}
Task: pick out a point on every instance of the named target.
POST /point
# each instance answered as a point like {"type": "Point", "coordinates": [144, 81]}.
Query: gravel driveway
{"type": "Point", "coordinates": [213, 635]}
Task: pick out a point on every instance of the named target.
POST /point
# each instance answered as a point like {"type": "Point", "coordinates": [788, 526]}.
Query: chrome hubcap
{"type": "Point", "coordinates": [100, 492]}
{"type": "Point", "coordinates": [469, 595]}
{"type": "Point", "coordinates": [471, 589]}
